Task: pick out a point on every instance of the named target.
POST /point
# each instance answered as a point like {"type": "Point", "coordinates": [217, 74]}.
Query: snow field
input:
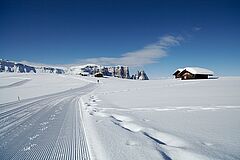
{"type": "Point", "coordinates": [155, 119]}
{"type": "Point", "coordinates": [171, 146]}
{"type": "Point", "coordinates": [72, 117]}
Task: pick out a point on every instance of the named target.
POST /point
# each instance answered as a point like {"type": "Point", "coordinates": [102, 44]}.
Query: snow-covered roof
{"type": "Point", "coordinates": [198, 70]}
{"type": "Point", "coordinates": [85, 73]}
{"type": "Point", "coordinates": [178, 70]}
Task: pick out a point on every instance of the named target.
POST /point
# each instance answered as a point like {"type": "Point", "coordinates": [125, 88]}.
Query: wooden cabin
{"type": "Point", "coordinates": [177, 72]}
{"type": "Point", "coordinates": [194, 73]}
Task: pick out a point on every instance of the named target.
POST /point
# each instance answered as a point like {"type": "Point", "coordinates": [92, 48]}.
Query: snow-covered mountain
{"type": "Point", "coordinates": [140, 75]}
{"type": "Point", "coordinates": [49, 70]}
{"type": "Point", "coordinates": [88, 69]}
{"type": "Point", "coordinates": [115, 71]}
{"type": "Point", "coordinates": [11, 66]}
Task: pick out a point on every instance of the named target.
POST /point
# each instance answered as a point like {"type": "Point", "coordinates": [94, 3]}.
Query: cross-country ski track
{"type": "Point", "coordinates": [46, 127]}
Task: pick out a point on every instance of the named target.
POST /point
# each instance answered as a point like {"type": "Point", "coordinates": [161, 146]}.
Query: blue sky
{"type": "Point", "coordinates": [154, 35]}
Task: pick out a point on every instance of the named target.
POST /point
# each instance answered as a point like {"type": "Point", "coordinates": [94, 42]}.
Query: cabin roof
{"type": "Point", "coordinates": [178, 70]}
{"type": "Point", "coordinates": [98, 73]}
{"type": "Point", "coordinates": [87, 73]}
{"type": "Point", "coordinates": [198, 70]}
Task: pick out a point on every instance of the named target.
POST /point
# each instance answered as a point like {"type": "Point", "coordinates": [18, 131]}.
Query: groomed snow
{"type": "Point", "coordinates": [46, 122]}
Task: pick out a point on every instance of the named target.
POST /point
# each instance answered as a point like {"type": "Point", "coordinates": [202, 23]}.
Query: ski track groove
{"type": "Point", "coordinates": [56, 147]}
{"type": "Point", "coordinates": [58, 114]}
{"type": "Point", "coordinates": [19, 151]}
{"type": "Point", "coordinates": [32, 114]}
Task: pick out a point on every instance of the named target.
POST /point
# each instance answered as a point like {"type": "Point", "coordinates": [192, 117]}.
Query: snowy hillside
{"type": "Point", "coordinates": [52, 116]}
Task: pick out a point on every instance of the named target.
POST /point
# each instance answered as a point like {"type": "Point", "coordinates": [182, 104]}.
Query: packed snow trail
{"type": "Point", "coordinates": [47, 127]}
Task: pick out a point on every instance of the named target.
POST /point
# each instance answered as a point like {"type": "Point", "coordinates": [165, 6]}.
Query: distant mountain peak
{"type": "Point", "coordinates": [140, 75]}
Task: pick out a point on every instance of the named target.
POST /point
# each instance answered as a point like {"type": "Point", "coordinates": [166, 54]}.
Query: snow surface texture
{"type": "Point", "coordinates": [72, 117]}
{"type": "Point", "coordinates": [165, 119]}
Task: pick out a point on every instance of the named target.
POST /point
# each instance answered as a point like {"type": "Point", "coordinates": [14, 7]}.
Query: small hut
{"type": "Point", "coordinates": [84, 74]}
{"type": "Point", "coordinates": [98, 74]}
{"type": "Point", "coordinates": [195, 73]}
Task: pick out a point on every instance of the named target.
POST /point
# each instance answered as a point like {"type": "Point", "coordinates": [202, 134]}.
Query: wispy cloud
{"type": "Point", "coordinates": [196, 29]}
{"type": "Point", "coordinates": [147, 55]}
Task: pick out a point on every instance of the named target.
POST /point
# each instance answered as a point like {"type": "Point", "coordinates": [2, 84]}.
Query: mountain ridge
{"type": "Point", "coordinates": [114, 71]}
